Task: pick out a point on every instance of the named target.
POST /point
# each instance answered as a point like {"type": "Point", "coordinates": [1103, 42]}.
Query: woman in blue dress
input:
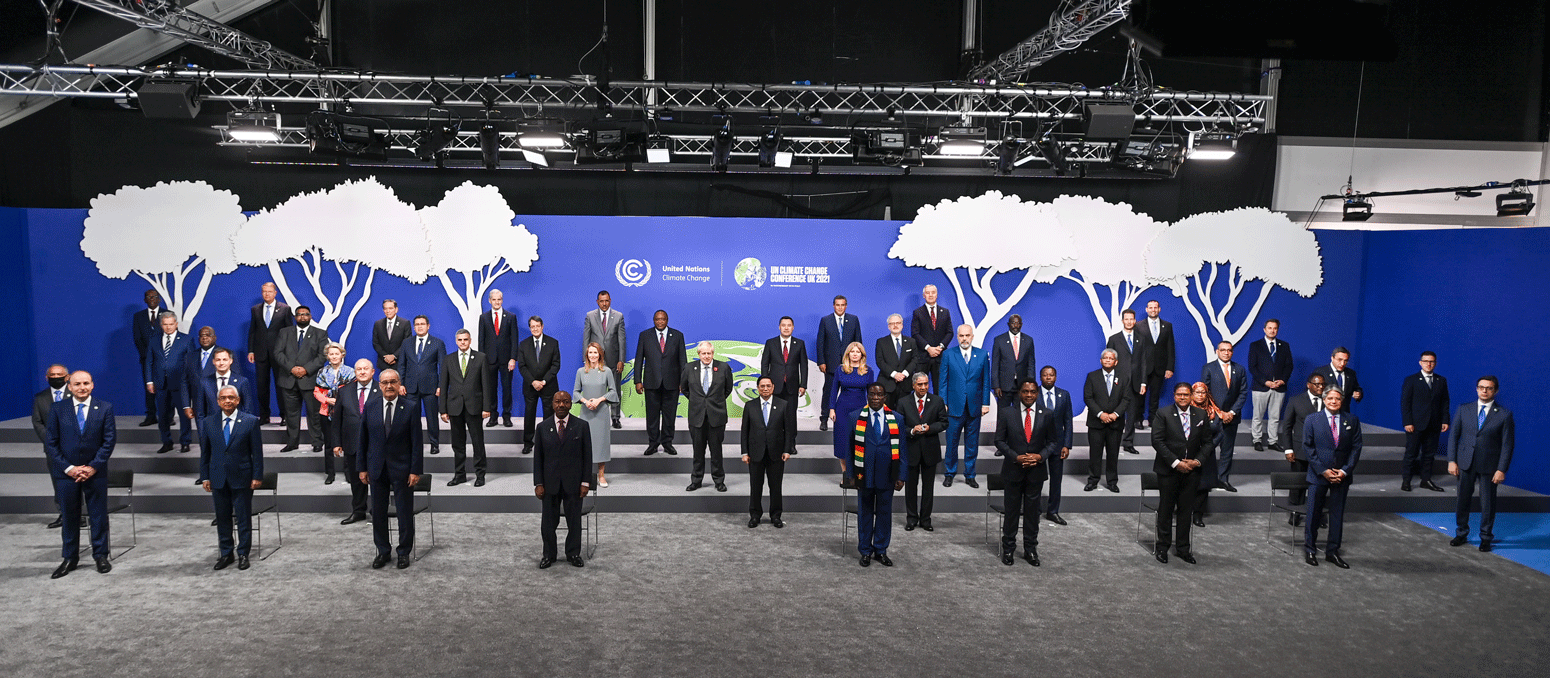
{"type": "Point", "coordinates": [847, 395]}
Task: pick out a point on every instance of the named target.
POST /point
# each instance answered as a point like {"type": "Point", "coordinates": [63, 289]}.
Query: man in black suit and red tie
{"type": "Point", "coordinates": [144, 326]}
{"type": "Point", "coordinates": [784, 361]}
{"type": "Point", "coordinates": [898, 359]}
{"type": "Point", "coordinates": [1025, 437]}
{"type": "Point", "coordinates": [538, 361]}
{"type": "Point", "coordinates": [391, 461]}
{"type": "Point", "coordinates": [267, 319]}
{"type": "Point", "coordinates": [1157, 335]}
{"type": "Point", "coordinates": [350, 404]}
{"type": "Point", "coordinates": [388, 335]}
{"type": "Point", "coordinates": [1423, 407]}
{"type": "Point", "coordinates": [1270, 369]}
{"type": "Point", "coordinates": [562, 458]}
{"type": "Point", "coordinates": [58, 379]}
{"type": "Point", "coordinates": [764, 451]}
{"type": "Point", "coordinates": [659, 364]}
{"type": "Point", "coordinates": [931, 326]}
{"type": "Point", "coordinates": [1178, 435]}
{"type": "Point", "coordinates": [924, 416]}
{"type": "Point", "coordinates": [1011, 361]}
{"type": "Point", "coordinates": [498, 343]}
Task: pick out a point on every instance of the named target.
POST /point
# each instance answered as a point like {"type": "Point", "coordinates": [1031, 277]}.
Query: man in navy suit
{"type": "Point", "coordinates": [391, 461]}
{"type": "Point", "coordinates": [964, 384]}
{"type": "Point", "coordinates": [1482, 444]}
{"type": "Point", "coordinates": [562, 457]}
{"type": "Point", "coordinates": [58, 378]}
{"type": "Point", "coordinates": [1228, 382]}
{"type": "Point", "coordinates": [1011, 361]}
{"type": "Point", "coordinates": [222, 374]}
{"type": "Point", "coordinates": [1337, 375]}
{"type": "Point", "coordinates": [1333, 442]}
{"type": "Point", "coordinates": [231, 466]}
{"type": "Point", "coordinates": [876, 470]}
{"type": "Point", "coordinates": [1303, 405]}
{"type": "Point", "coordinates": [835, 333]}
{"type": "Point", "coordinates": [81, 436]}
{"type": "Point", "coordinates": [199, 365]}
{"type": "Point", "coordinates": [924, 418]}
{"type": "Point", "coordinates": [166, 377]}
{"type": "Point", "coordinates": [1270, 366]}
{"type": "Point", "coordinates": [784, 361]}
{"type": "Point", "coordinates": [1025, 436]}
{"type": "Point", "coordinates": [931, 326]}
{"type": "Point", "coordinates": [419, 362]}
{"type": "Point", "coordinates": [659, 364]}
{"type": "Point", "coordinates": [266, 319]}
{"type": "Point", "coordinates": [1423, 407]}
{"type": "Point", "coordinates": [1057, 401]}
{"type": "Point", "coordinates": [351, 401]}
{"type": "Point", "coordinates": [1135, 363]}
{"type": "Point", "coordinates": [144, 326]}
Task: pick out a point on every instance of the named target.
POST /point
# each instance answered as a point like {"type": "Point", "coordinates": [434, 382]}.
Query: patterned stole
{"type": "Point", "coordinates": [890, 419]}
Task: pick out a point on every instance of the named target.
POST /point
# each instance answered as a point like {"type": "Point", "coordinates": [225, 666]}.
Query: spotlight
{"type": "Point", "coordinates": [1054, 155]}
{"type": "Point", "coordinates": [1356, 208]}
{"type": "Point", "coordinates": [535, 158]}
{"type": "Point", "coordinates": [658, 149]}
{"type": "Point", "coordinates": [332, 133]}
{"type": "Point", "coordinates": [961, 141]}
{"type": "Point", "coordinates": [251, 125]}
{"type": "Point", "coordinates": [537, 133]}
{"type": "Point", "coordinates": [1214, 146]}
{"type": "Point", "coordinates": [490, 144]}
{"type": "Point", "coordinates": [1006, 155]}
{"type": "Point", "coordinates": [431, 143]}
{"type": "Point", "coordinates": [721, 147]}
{"type": "Point", "coordinates": [770, 154]}
{"type": "Point", "coordinates": [1514, 203]}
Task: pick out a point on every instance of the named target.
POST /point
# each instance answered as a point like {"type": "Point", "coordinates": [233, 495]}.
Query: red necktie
{"type": "Point", "coordinates": [360, 396]}
{"type": "Point", "coordinates": [662, 342]}
{"type": "Point", "coordinates": [920, 407]}
{"type": "Point", "coordinates": [785, 352]}
{"type": "Point", "coordinates": [559, 429]}
{"type": "Point", "coordinates": [933, 317]}
{"type": "Point", "coordinates": [1028, 424]}
{"type": "Point", "coordinates": [497, 317]}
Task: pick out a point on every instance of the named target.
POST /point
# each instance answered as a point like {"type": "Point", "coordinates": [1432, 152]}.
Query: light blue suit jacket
{"type": "Point", "coordinates": [965, 387]}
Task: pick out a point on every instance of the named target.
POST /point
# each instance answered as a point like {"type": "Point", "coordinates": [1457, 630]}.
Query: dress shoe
{"type": "Point", "coordinates": [971, 483]}
{"type": "Point", "coordinates": [674, 451]}
{"type": "Point", "coordinates": [1186, 556]}
{"type": "Point", "coordinates": [925, 524]}
{"type": "Point", "coordinates": [1131, 449]}
{"type": "Point", "coordinates": [1161, 555]}
{"type": "Point", "coordinates": [353, 518]}
{"type": "Point", "coordinates": [1032, 556]}
{"type": "Point", "coordinates": [1429, 485]}
{"type": "Point", "coordinates": [1294, 519]}
{"type": "Point", "coordinates": [545, 562]}
{"type": "Point", "coordinates": [55, 525]}
{"type": "Point", "coordinates": [214, 522]}
{"type": "Point", "coordinates": [947, 481]}
{"type": "Point", "coordinates": [182, 448]}
{"type": "Point", "coordinates": [492, 423]}
{"type": "Point", "coordinates": [1055, 518]}
{"type": "Point", "coordinates": [1459, 540]}
{"type": "Point", "coordinates": [1143, 425]}
{"type": "Point", "coordinates": [1404, 485]}
{"type": "Point", "coordinates": [1335, 559]}
{"type": "Point", "coordinates": [457, 480]}
{"type": "Point", "coordinates": [650, 451]}
{"type": "Point", "coordinates": [404, 561]}
{"type": "Point", "coordinates": [225, 561]}
{"type": "Point", "coordinates": [1198, 520]}
{"type": "Point", "coordinates": [198, 481]}
{"type": "Point", "coordinates": [243, 563]}
{"type": "Point", "coordinates": [1090, 486]}
{"type": "Point", "coordinates": [721, 487]}
{"type": "Point", "coordinates": [435, 449]}
{"type": "Point", "coordinates": [753, 522]}
{"type": "Point", "coordinates": [1112, 487]}
{"type": "Point", "coordinates": [506, 422]}
{"type": "Point", "coordinates": [316, 449]}
{"type": "Point", "coordinates": [866, 560]}
{"type": "Point", "coordinates": [1311, 559]}
{"type": "Point", "coordinates": [328, 479]}
{"type": "Point", "coordinates": [164, 449]}
{"type": "Point", "coordinates": [479, 480]}
{"type": "Point", "coordinates": [617, 424]}
{"type": "Point", "coordinates": [778, 523]}
{"type": "Point", "coordinates": [1007, 559]}
{"type": "Point", "coordinates": [1485, 546]}
{"type": "Point", "coordinates": [148, 421]}
{"type": "Point", "coordinates": [1277, 447]}
{"type": "Point", "coordinates": [1259, 447]}
{"type": "Point", "coordinates": [694, 485]}
{"type": "Point", "coordinates": [823, 424]}
{"type": "Point", "coordinates": [290, 448]}
{"type": "Point", "coordinates": [910, 523]}
{"type": "Point", "coordinates": [67, 566]}
{"type": "Point", "coordinates": [884, 559]}
{"type": "Point", "coordinates": [380, 561]}
{"type": "Point", "coordinates": [575, 561]}
{"type": "Point", "coordinates": [104, 565]}
{"type": "Point", "coordinates": [1228, 486]}
{"type": "Point", "coordinates": [527, 448]}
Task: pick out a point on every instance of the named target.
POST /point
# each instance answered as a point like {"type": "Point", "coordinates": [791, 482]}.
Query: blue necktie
{"type": "Point", "coordinates": [58, 396]}
{"type": "Point", "coordinates": [80, 416]}
{"type": "Point", "coordinates": [1272, 350]}
{"type": "Point", "coordinates": [227, 430]}
{"type": "Point", "coordinates": [1049, 400]}
{"type": "Point", "coordinates": [1130, 342]}
{"type": "Point", "coordinates": [299, 337]}
{"type": "Point", "coordinates": [204, 358]}
{"type": "Point", "coordinates": [1483, 410]}
{"type": "Point", "coordinates": [766, 413]}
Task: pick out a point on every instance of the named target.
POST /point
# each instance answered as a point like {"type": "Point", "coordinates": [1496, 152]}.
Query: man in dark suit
{"type": "Point", "coordinates": [350, 404]}
{"type": "Point", "coordinates": [1134, 363]}
{"type": "Point", "coordinates": [231, 466]}
{"type": "Point", "coordinates": [267, 319]}
{"type": "Point", "coordinates": [387, 337]}
{"type": "Point", "coordinates": [466, 394]}
{"type": "Point", "coordinates": [1481, 444]}
{"type": "Point", "coordinates": [1157, 335]}
{"type": "Point", "coordinates": [1333, 442]}
{"type": "Point", "coordinates": [1178, 435]}
{"type": "Point", "coordinates": [419, 360]}
{"type": "Point", "coordinates": [1423, 407]}
{"type": "Point", "coordinates": [1228, 382]}
{"type": "Point", "coordinates": [1270, 368]}
{"type": "Point", "coordinates": [764, 451]}
{"type": "Point", "coordinates": [898, 359]}
{"type": "Point", "coordinates": [298, 354]}
{"type": "Point", "coordinates": [561, 462]}
{"type": "Point", "coordinates": [498, 342]}
{"type": "Point", "coordinates": [80, 439]}
{"type": "Point", "coordinates": [1106, 393]}
{"type": "Point", "coordinates": [924, 417]}
{"type": "Point", "coordinates": [876, 470]}
{"type": "Point", "coordinates": [931, 326]}
{"type": "Point", "coordinates": [1025, 437]}
{"type": "Point", "coordinates": [1337, 375]}
{"type": "Point", "coordinates": [835, 332]}
{"type": "Point", "coordinates": [964, 384]}
{"type": "Point", "coordinates": [1011, 361]}
{"type": "Point", "coordinates": [708, 382]}
{"type": "Point", "coordinates": [1057, 401]}
{"type": "Point", "coordinates": [391, 460]}
{"type": "Point", "coordinates": [201, 364]}
{"type": "Point", "coordinates": [605, 325]}
{"type": "Point", "coordinates": [144, 326]}
{"type": "Point", "coordinates": [1303, 405]}
{"type": "Point", "coordinates": [58, 389]}
{"type": "Point", "coordinates": [222, 374]}
{"type": "Point", "coordinates": [166, 377]}
{"type": "Point", "coordinates": [659, 365]}
{"type": "Point", "coordinates": [538, 359]}
{"type": "Point", "coordinates": [784, 360]}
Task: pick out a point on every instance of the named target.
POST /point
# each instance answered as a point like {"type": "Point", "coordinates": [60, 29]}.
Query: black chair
{"type": "Point", "coordinates": [1148, 482]}
{"type": "Point", "coordinates": [267, 504]}
{"type": "Point", "coordinates": [850, 512]}
{"type": "Point", "coordinates": [422, 487]}
{"type": "Point", "coordinates": [995, 500]}
{"type": "Point", "coordinates": [122, 480]}
{"type": "Point", "coordinates": [589, 533]}
{"type": "Point", "coordinates": [1290, 481]}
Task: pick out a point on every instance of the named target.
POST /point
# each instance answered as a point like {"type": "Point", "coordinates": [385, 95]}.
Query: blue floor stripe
{"type": "Point", "coordinates": [1523, 538]}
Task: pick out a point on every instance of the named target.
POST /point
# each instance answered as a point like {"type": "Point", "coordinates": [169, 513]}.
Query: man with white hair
{"type": "Point", "coordinates": [707, 382]}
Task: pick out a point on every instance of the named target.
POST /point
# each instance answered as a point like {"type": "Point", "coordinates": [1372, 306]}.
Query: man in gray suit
{"type": "Point", "coordinates": [707, 382]}
{"type": "Point", "coordinates": [298, 354]}
{"type": "Point", "coordinates": [606, 327]}
{"type": "Point", "coordinates": [467, 394]}
{"type": "Point", "coordinates": [1482, 444]}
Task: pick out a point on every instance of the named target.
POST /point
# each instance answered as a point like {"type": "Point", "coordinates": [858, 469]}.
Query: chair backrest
{"type": "Point", "coordinates": [1288, 481]}
{"type": "Point", "coordinates": [424, 485]}
{"type": "Point", "coordinates": [122, 479]}
{"type": "Point", "coordinates": [271, 481]}
{"type": "Point", "coordinates": [847, 483]}
{"type": "Point", "coordinates": [1149, 481]}
{"type": "Point", "coordinates": [994, 483]}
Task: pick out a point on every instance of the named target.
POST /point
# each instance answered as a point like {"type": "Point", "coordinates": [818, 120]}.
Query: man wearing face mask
{"type": "Point", "coordinates": [298, 354]}
{"type": "Point", "coordinates": [57, 377]}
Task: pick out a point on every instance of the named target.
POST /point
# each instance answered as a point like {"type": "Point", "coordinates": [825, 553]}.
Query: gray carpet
{"type": "Point", "coordinates": [701, 594]}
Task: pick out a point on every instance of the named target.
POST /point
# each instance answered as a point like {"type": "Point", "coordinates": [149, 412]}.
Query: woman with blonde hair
{"type": "Point", "coordinates": [847, 395]}
{"type": "Point", "coordinates": [593, 390]}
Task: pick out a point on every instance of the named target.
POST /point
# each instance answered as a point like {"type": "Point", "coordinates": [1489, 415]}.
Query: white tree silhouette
{"type": "Point", "coordinates": [990, 233]}
{"type": "Point", "coordinates": [1235, 247]}
{"type": "Point", "coordinates": [164, 234]}
{"type": "Point", "coordinates": [353, 226]}
{"type": "Point", "coordinates": [1110, 244]}
{"type": "Point", "coordinates": [471, 234]}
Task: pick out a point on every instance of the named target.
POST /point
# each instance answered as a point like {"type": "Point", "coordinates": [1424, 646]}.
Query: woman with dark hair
{"type": "Point", "coordinates": [1201, 393]}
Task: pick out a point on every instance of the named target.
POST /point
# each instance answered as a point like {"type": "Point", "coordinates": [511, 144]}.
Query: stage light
{"type": "Point", "coordinates": [431, 143]}
{"type": "Point", "coordinates": [251, 125]}
{"type": "Point", "coordinates": [1214, 146]}
{"type": "Point", "coordinates": [1107, 122]}
{"type": "Point", "coordinates": [961, 141]}
{"type": "Point", "coordinates": [1356, 208]}
{"type": "Point", "coordinates": [1054, 155]}
{"type": "Point", "coordinates": [658, 149]}
{"type": "Point", "coordinates": [535, 158]}
{"type": "Point", "coordinates": [332, 133]}
{"type": "Point", "coordinates": [1006, 155]}
{"type": "Point", "coordinates": [1514, 203]}
{"type": "Point", "coordinates": [541, 134]}
{"type": "Point", "coordinates": [721, 147]}
{"type": "Point", "coordinates": [890, 146]}
{"type": "Point", "coordinates": [490, 145]}
{"type": "Point", "coordinates": [770, 154]}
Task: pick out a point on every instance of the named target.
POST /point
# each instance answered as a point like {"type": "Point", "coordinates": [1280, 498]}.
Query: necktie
{"type": "Point", "coordinates": [785, 351]}
{"type": "Point", "coordinates": [766, 413]}
{"type": "Point", "coordinates": [920, 406]}
{"type": "Point", "coordinates": [1483, 410]}
{"type": "Point", "coordinates": [300, 335]}
{"type": "Point", "coordinates": [1049, 400]}
{"type": "Point", "coordinates": [58, 396]}
{"type": "Point", "coordinates": [839, 322]}
{"type": "Point", "coordinates": [1027, 424]}
{"type": "Point", "coordinates": [1428, 381]}
{"type": "Point", "coordinates": [559, 429]}
{"type": "Point", "coordinates": [538, 346]}
{"type": "Point", "coordinates": [166, 346]}
{"type": "Point", "coordinates": [877, 420]}
{"type": "Point", "coordinates": [221, 386]}
{"type": "Point", "coordinates": [387, 415]}
{"type": "Point", "coordinates": [1340, 380]}
{"type": "Point", "coordinates": [662, 342]}
{"type": "Point", "coordinates": [360, 397]}
{"type": "Point", "coordinates": [1184, 417]}
{"type": "Point", "coordinates": [421, 348]}
{"type": "Point", "coordinates": [1130, 342]}
{"type": "Point", "coordinates": [1227, 372]}
{"type": "Point", "coordinates": [462, 359]}
{"type": "Point", "coordinates": [268, 314]}
{"type": "Point", "coordinates": [603, 317]}
{"type": "Point", "coordinates": [497, 316]}
{"type": "Point", "coordinates": [704, 378]}
{"type": "Point", "coordinates": [204, 359]}
{"type": "Point", "coordinates": [898, 347]}
{"type": "Point", "coordinates": [80, 416]}
{"type": "Point", "coordinates": [933, 317]}
{"type": "Point", "coordinates": [1272, 349]}
{"type": "Point", "coordinates": [1334, 428]}
{"type": "Point", "coordinates": [1015, 342]}
{"type": "Point", "coordinates": [1108, 382]}
{"type": "Point", "coordinates": [227, 430]}
{"type": "Point", "coordinates": [1154, 330]}
{"type": "Point", "coordinates": [390, 327]}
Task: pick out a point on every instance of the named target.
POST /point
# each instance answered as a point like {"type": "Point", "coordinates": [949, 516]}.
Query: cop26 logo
{"type": "Point", "coordinates": [632, 272]}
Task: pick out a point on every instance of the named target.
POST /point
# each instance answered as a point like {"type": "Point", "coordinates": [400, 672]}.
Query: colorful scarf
{"type": "Point", "coordinates": [889, 419]}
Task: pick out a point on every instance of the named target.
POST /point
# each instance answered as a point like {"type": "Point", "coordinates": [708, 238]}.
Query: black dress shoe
{"type": "Point", "coordinates": [104, 565]}
{"type": "Point", "coordinates": [694, 485]}
{"type": "Point", "coordinates": [1429, 485]}
{"type": "Point", "coordinates": [148, 421]}
{"type": "Point", "coordinates": [1161, 555]}
{"type": "Point", "coordinates": [225, 561]}
{"type": "Point", "coordinates": [1277, 447]}
{"type": "Point", "coordinates": [1459, 540]}
{"type": "Point", "coordinates": [328, 479]}
{"type": "Point", "coordinates": [527, 448]}
{"type": "Point", "coordinates": [1186, 556]}
{"type": "Point", "coordinates": [1485, 545]}
{"type": "Point", "coordinates": [214, 522]}
{"type": "Point", "coordinates": [721, 487]}
{"type": "Point", "coordinates": [290, 448]}
{"type": "Point", "coordinates": [1199, 520]}
{"type": "Point", "coordinates": [182, 448]}
{"type": "Point", "coordinates": [1228, 486]}
{"type": "Point", "coordinates": [435, 449]}
{"type": "Point", "coordinates": [457, 480]}
{"type": "Point", "coordinates": [1032, 557]}
{"type": "Point", "coordinates": [909, 524]}
{"type": "Point", "coordinates": [404, 561]}
{"type": "Point", "coordinates": [380, 561]}
{"type": "Point", "coordinates": [866, 560]}
{"type": "Point", "coordinates": [1404, 485]}
{"type": "Point", "coordinates": [884, 559]}
{"type": "Point", "coordinates": [650, 451]}
{"type": "Point", "coordinates": [1294, 519]}
{"type": "Point", "coordinates": [575, 561]}
{"type": "Point", "coordinates": [1090, 486]}
{"type": "Point", "coordinates": [778, 523]}
{"type": "Point", "coordinates": [479, 480]}
{"type": "Point", "coordinates": [1112, 487]}
{"type": "Point", "coordinates": [1131, 449]}
{"type": "Point", "coordinates": [971, 483]}
{"type": "Point", "coordinates": [506, 422]}
{"type": "Point", "coordinates": [164, 449]}
{"type": "Point", "coordinates": [353, 518]}
{"type": "Point", "coordinates": [56, 524]}
{"type": "Point", "coordinates": [1007, 559]}
{"type": "Point", "coordinates": [545, 562]}
{"type": "Point", "coordinates": [823, 424]}
{"type": "Point", "coordinates": [674, 451]}
{"type": "Point", "coordinates": [617, 424]}
{"type": "Point", "coordinates": [242, 563]}
{"type": "Point", "coordinates": [1335, 559]}
{"type": "Point", "coordinates": [947, 481]}
{"type": "Point", "coordinates": [316, 449]}
{"type": "Point", "coordinates": [1259, 447]}
{"type": "Point", "coordinates": [753, 522]}
{"type": "Point", "coordinates": [925, 524]}
{"type": "Point", "coordinates": [1311, 559]}
{"type": "Point", "coordinates": [1055, 518]}
{"type": "Point", "coordinates": [67, 566]}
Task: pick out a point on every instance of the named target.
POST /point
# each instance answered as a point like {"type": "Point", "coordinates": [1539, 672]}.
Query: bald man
{"type": "Point", "coordinates": [81, 437]}
{"type": "Point", "coordinates": [231, 466]}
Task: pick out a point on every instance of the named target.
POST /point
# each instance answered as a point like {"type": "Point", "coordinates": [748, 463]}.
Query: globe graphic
{"type": "Point", "coordinates": [749, 274]}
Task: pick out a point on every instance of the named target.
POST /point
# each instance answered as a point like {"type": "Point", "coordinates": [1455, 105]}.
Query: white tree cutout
{"type": "Point", "coordinates": [355, 228]}
{"type": "Point", "coordinates": [472, 237]}
{"type": "Point", "coordinates": [1110, 242]}
{"type": "Point", "coordinates": [1234, 247]}
{"type": "Point", "coordinates": [985, 235]}
{"type": "Point", "coordinates": [164, 234]}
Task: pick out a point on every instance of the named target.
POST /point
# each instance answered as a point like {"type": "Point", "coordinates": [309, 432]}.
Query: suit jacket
{"type": "Point", "coordinates": [1351, 383]}
{"type": "Point", "coordinates": [830, 348]}
{"type": "Point", "coordinates": [169, 372]}
{"type": "Point", "coordinates": [762, 440]}
{"type": "Point", "coordinates": [926, 334]}
{"type": "Point", "coordinates": [68, 445]}
{"type": "Point", "coordinates": [1012, 440]}
{"type": "Point", "coordinates": [889, 361]}
{"type": "Point", "coordinates": [204, 397]}
{"type": "Point", "coordinates": [261, 338]}
{"type": "Point", "coordinates": [707, 407]}
{"type": "Point", "coordinates": [1171, 444]}
{"type": "Point", "coordinates": [1298, 411]}
{"type": "Point", "coordinates": [1263, 368]}
{"type": "Point", "coordinates": [1159, 349]}
{"type": "Point", "coordinates": [1061, 415]}
{"type": "Point", "coordinates": [467, 394]}
{"type": "Point", "coordinates": [611, 338]}
{"type": "Point", "coordinates": [1011, 371]}
{"type": "Point", "coordinates": [1482, 449]}
{"type": "Point", "coordinates": [1422, 406]}
{"type": "Point", "coordinates": [308, 354]}
{"type": "Point", "coordinates": [235, 464]}
{"type": "Point", "coordinates": [924, 448]}
{"type": "Point", "coordinates": [1227, 397]}
{"type": "Point", "coordinates": [655, 367]}
{"type": "Point", "coordinates": [1133, 363]}
{"type": "Point", "coordinates": [880, 470]}
{"type": "Point", "coordinates": [398, 452]}
{"type": "Point", "coordinates": [41, 404]}
{"type": "Point", "coordinates": [1099, 399]}
{"type": "Point", "coordinates": [1324, 453]}
{"type": "Point", "coordinates": [421, 370]}
{"type": "Point", "coordinates": [536, 365]}
{"type": "Point", "coordinates": [345, 415]}
{"type": "Point", "coordinates": [561, 466]}
{"type": "Point", "coordinates": [144, 329]}
{"type": "Point", "coordinates": [199, 366]}
{"type": "Point", "coordinates": [499, 349]}
{"type": "Point", "coordinates": [964, 386]}
{"type": "Point", "coordinates": [388, 344]}
{"type": "Point", "coordinates": [788, 375]}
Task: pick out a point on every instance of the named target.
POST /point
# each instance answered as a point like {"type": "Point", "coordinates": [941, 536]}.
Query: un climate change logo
{"type": "Point", "coordinates": [750, 274]}
{"type": "Point", "coordinates": [632, 272]}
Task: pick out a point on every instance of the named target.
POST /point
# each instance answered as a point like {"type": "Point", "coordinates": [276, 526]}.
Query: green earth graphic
{"type": "Point", "coordinates": [741, 356]}
{"type": "Point", "coordinates": [749, 274]}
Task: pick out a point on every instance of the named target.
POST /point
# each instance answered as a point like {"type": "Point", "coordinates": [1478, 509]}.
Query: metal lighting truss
{"type": "Point", "coordinates": [1069, 26]}
{"type": "Point", "coordinates": [165, 16]}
